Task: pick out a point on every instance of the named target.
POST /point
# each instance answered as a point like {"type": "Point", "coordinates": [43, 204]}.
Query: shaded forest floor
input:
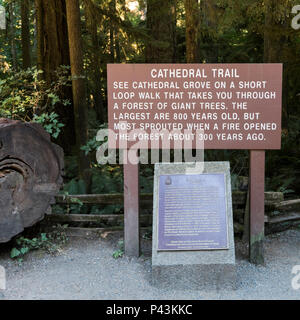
{"type": "Point", "coordinates": [85, 269]}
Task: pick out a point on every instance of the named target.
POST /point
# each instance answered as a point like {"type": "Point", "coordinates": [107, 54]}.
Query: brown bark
{"type": "Point", "coordinates": [78, 82]}
{"type": "Point", "coordinates": [111, 45]}
{"type": "Point", "coordinates": [53, 49]}
{"type": "Point", "coordinates": [116, 33]}
{"type": "Point", "coordinates": [208, 25]}
{"type": "Point", "coordinates": [39, 12]}
{"type": "Point", "coordinates": [160, 22]}
{"type": "Point", "coordinates": [192, 30]}
{"type": "Point", "coordinates": [174, 36]}
{"type": "Point", "coordinates": [275, 45]}
{"type": "Point", "coordinates": [117, 45]}
{"type": "Point", "coordinates": [91, 21]}
{"type": "Point", "coordinates": [52, 52]}
{"type": "Point", "coordinates": [271, 48]}
{"type": "Point", "coordinates": [113, 41]}
{"type": "Point", "coordinates": [30, 175]}
{"type": "Point", "coordinates": [25, 9]}
{"type": "Point", "coordinates": [276, 32]}
{"type": "Point", "coordinates": [12, 36]}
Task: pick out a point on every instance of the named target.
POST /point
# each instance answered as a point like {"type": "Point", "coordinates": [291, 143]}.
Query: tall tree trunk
{"type": "Point", "coordinates": [39, 17]}
{"type": "Point", "coordinates": [78, 82]}
{"type": "Point", "coordinates": [209, 23]}
{"type": "Point", "coordinates": [91, 21]}
{"type": "Point", "coordinates": [192, 30]}
{"type": "Point", "coordinates": [111, 45]}
{"type": "Point", "coordinates": [271, 41]}
{"type": "Point", "coordinates": [174, 35]}
{"type": "Point", "coordinates": [25, 9]}
{"type": "Point", "coordinates": [276, 31]}
{"type": "Point", "coordinates": [52, 52]}
{"type": "Point", "coordinates": [160, 23]}
{"type": "Point", "coordinates": [117, 44]}
{"type": "Point", "coordinates": [53, 49]}
{"type": "Point", "coordinates": [275, 45]}
{"type": "Point", "coordinates": [112, 9]}
{"type": "Point", "coordinates": [12, 36]}
{"type": "Point", "coordinates": [116, 32]}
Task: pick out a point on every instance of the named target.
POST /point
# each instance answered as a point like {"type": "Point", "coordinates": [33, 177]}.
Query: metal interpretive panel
{"type": "Point", "coordinates": [192, 212]}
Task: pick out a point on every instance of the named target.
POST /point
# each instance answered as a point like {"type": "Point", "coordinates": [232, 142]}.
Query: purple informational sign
{"type": "Point", "coordinates": [192, 212]}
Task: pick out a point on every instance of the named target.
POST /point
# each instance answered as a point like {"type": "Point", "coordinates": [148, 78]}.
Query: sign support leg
{"type": "Point", "coordinates": [131, 209]}
{"type": "Point", "coordinates": [257, 206]}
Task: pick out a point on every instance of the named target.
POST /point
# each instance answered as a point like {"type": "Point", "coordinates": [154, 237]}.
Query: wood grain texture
{"type": "Point", "coordinates": [30, 175]}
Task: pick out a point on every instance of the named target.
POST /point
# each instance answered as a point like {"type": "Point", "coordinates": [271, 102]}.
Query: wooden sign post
{"type": "Point", "coordinates": [131, 210]}
{"type": "Point", "coordinates": [257, 206]}
{"type": "Point", "coordinates": [226, 106]}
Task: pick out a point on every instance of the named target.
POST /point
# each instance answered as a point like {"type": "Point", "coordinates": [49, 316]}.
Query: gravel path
{"type": "Point", "coordinates": [85, 269]}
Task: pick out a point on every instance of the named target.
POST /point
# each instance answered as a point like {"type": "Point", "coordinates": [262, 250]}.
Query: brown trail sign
{"type": "Point", "coordinates": [220, 106]}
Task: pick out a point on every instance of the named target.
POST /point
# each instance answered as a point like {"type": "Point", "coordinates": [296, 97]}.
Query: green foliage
{"type": "Point", "coordinates": [232, 31]}
{"type": "Point", "coordinates": [75, 187]}
{"type": "Point", "coordinates": [77, 201]}
{"type": "Point", "coordinates": [107, 179]}
{"type": "Point", "coordinates": [50, 123]}
{"type": "Point", "coordinates": [146, 178]}
{"type": "Point", "coordinates": [104, 179]}
{"type": "Point", "coordinates": [24, 96]}
{"type": "Point", "coordinates": [91, 145]}
{"type": "Point", "coordinates": [50, 243]}
{"type": "Point", "coordinates": [19, 94]}
{"type": "Point", "coordinates": [120, 252]}
{"type": "Point", "coordinates": [283, 166]}
{"type": "Point", "coordinates": [234, 182]}
{"type": "Point", "coordinates": [239, 160]}
{"type": "Point", "coordinates": [71, 167]}
{"type": "Point", "coordinates": [147, 235]}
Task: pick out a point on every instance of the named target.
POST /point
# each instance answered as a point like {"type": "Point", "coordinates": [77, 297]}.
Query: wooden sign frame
{"type": "Point", "coordinates": [256, 170]}
{"type": "Point", "coordinates": [257, 208]}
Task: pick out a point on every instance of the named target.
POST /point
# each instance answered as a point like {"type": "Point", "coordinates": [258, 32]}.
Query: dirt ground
{"type": "Point", "coordinates": [85, 269]}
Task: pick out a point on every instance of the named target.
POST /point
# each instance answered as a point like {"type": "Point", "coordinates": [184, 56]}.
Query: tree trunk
{"type": "Point", "coordinates": [275, 45]}
{"type": "Point", "coordinates": [53, 49]}
{"type": "Point", "coordinates": [39, 16]}
{"type": "Point", "coordinates": [112, 9]}
{"type": "Point", "coordinates": [174, 35]}
{"type": "Point", "coordinates": [271, 39]}
{"type": "Point", "coordinates": [192, 30]}
{"type": "Point", "coordinates": [12, 36]}
{"type": "Point", "coordinates": [25, 9]}
{"type": "Point", "coordinates": [91, 21]}
{"type": "Point", "coordinates": [53, 52]}
{"type": "Point", "coordinates": [160, 22]}
{"type": "Point", "coordinates": [116, 33]}
{"type": "Point", "coordinates": [208, 25]}
{"type": "Point", "coordinates": [78, 83]}
{"type": "Point", "coordinates": [31, 170]}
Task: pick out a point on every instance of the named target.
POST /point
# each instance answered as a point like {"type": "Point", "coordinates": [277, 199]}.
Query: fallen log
{"type": "Point", "coordinates": [30, 175]}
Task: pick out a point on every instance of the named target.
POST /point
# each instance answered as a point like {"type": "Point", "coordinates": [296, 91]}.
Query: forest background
{"type": "Point", "coordinates": [47, 43]}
